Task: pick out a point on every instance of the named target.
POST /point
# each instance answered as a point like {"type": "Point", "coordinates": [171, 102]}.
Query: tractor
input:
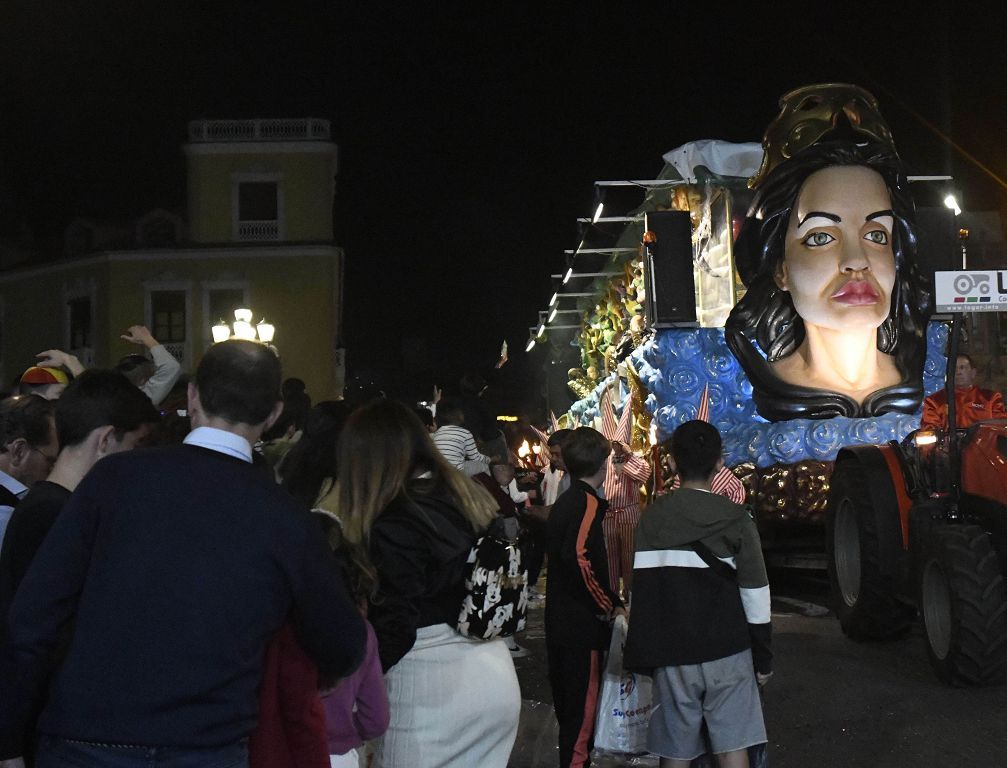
{"type": "Point", "coordinates": [920, 526]}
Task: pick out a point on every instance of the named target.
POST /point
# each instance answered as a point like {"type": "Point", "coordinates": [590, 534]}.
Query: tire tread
{"type": "Point", "coordinates": [879, 613]}
{"type": "Point", "coordinates": [978, 654]}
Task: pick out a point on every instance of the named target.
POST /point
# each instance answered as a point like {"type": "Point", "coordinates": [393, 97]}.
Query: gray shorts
{"type": "Point", "coordinates": [723, 693]}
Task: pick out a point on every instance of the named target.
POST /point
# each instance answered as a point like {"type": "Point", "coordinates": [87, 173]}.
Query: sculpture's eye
{"type": "Point", "coordinates": [877, 236]}
{"type": "Point", "coordinates": [817, 239]}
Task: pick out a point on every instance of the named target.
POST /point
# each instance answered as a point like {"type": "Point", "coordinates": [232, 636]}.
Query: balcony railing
{"type": "Point", "coordinates": [286, 129]}
{"type": "Point", "coordinates": [258, 230]}
{"type": "Point", "coordinates": [177, 349]}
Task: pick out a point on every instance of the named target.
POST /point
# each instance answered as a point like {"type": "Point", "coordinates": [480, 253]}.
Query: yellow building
{"type": "Point", "coordinates": [258, 234]}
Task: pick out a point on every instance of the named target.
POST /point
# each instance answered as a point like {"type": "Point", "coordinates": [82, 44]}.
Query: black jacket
{"type": "Point", "coordinates": [579, 601]}
{"type": "Point", "coordinates": [28, 526]}
{"type": "Point", "coordinates": [419, 546]}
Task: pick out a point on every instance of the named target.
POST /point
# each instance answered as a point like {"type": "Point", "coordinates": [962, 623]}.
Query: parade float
{"type": "Point", "coordinates": [775, 360]}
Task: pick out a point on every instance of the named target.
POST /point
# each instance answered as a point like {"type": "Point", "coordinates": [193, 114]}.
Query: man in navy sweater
{"type": "Point", "coordinates": [177, 566]}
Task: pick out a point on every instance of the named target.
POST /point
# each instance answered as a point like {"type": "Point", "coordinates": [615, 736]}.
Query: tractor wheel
{"type": "Point", "coordinates": [963, 599]}
{"type": "Point", "coordinates": [864, 600]}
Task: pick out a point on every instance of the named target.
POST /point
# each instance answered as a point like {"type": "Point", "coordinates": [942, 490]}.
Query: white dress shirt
{"type": "Point", "coordinates": [222, 441]}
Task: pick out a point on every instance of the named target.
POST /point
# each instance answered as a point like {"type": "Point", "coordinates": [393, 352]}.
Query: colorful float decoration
{"type": "Point", "coordinates": [798, 349]}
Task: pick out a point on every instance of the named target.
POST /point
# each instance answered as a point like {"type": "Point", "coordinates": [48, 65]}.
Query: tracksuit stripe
{"type": "Point", "coordinates": [586, 571]}
{"type": "Point", "coordinates": [581, 754]}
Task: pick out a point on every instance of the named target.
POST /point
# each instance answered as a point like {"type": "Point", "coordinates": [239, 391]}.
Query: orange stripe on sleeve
{"type": "Point", "coordinates": [586, 571]}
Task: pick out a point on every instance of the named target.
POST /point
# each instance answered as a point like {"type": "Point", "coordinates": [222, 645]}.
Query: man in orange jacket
{"type": "Point", "coordinates": [971, 403]}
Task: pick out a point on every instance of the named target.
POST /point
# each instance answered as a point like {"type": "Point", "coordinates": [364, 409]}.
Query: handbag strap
{"type": "Point", "coordinates": [717, 565]}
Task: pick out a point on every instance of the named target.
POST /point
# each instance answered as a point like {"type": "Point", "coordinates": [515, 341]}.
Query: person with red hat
{"type": "Point", "coordinates": [154, 375]}
{"type": "Point", "coordinates": [42, 380]}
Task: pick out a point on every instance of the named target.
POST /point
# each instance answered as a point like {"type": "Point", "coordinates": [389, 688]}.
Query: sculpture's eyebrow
{"type": "Point", "coordinates": [879, 214]}
{"type": "Point", "coordinates": [824, 215]}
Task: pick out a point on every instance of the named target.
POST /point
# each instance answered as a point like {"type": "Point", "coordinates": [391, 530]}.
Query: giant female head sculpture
{"type": "Point", "coordinates": [827, 253]}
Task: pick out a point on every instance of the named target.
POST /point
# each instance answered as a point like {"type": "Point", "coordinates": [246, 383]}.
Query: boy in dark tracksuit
{"type": "Point", "coordinates": [701, 613]}
{"type": "Point", "coordinates": [580, 604]}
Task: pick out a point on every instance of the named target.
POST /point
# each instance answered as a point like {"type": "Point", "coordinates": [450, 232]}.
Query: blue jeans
{"type": "Point", "coordinates": [54, 752]}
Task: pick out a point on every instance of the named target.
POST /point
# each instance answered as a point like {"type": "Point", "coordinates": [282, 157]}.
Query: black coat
{"type": "Point", "coordinates": [579, 600]}
{"type": "Point", "coordinates": [419, 547]}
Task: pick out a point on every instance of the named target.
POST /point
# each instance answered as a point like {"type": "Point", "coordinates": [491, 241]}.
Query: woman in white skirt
{"type": "Point", "coordinates": [413, 518]}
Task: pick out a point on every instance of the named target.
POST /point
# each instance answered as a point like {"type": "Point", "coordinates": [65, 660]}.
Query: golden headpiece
{"type": "Point", "coordinates": [808, 113]}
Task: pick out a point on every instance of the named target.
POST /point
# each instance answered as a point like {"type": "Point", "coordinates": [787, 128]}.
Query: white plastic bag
{"type": "Point", "coordinates": [624, 708]}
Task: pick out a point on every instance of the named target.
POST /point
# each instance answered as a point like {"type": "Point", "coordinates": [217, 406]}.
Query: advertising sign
{"type": "Point", "coordinates": [971, 291]}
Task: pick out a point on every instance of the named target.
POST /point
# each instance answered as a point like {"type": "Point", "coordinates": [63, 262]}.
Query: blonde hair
{"type": "Point", "coordinates": [382, 449]}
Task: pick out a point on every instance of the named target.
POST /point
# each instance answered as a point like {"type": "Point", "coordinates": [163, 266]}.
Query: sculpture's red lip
{"type": "Point", "coordinates": [856, 292]}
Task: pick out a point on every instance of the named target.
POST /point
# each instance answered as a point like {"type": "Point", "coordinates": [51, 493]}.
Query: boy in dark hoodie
{"type": "Point", "coordinates": [701, 613]}
{"type": "Point", "coordinates": [580, 604]}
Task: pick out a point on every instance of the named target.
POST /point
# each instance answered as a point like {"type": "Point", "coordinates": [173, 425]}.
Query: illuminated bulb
{"type": "Point", "coordinates": [266, 331]}
{"type": "Point", "coordinates": [243, 315]}
{"type": "Point", "coordinates": [552, 315]}
{"type": "Point", "coordinates": [597, 213]}
{"type": "Point", "coordinates": [524, 450]}
{"type": "Point", "coordinates": [554, 299]}
{"type": "Point", "coordinates": [221, 332]}
{"type": "Point", "coordinates": [244, 330]}
{"type": "Point", "coordinates": [567, 276]}
{"type": "Point", "coordinates": [951, 203]}
{"type": "Point", "coordinates": [531, 343]}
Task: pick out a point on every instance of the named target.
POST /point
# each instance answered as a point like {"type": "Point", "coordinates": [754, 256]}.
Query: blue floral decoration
{"type": "Point", "coordinates": [677, 363]}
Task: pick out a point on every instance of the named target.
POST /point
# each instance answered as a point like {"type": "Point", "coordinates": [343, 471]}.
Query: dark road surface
{"type": "Point", "coordinates": [831, 702]}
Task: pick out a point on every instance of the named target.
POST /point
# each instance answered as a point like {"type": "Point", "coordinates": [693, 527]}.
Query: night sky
{"type": "Point", "coordinates": [469, 138]}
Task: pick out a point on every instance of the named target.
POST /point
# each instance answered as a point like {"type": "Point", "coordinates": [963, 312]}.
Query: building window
{"type": "Point", "coordinates": [258, 202]}
{"type": "Point", "coordinates": [223, 302]}
{"type": "Point", "coordinates": [167, 310]}
{"type": "Point", "coordinates": [80, 322]}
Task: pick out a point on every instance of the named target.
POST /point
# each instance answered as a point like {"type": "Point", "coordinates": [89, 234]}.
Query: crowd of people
{"type": "Point", "coordinates": [272, 582]}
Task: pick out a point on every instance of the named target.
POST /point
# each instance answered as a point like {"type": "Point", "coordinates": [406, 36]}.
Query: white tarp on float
{"type": "Point", "coordinates": [723, 158]}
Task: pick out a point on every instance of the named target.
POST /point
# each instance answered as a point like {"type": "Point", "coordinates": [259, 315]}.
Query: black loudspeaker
{"type": "Point", "coordinates": [671, 292]}
{"type": "Point", "coordinates": [938, 248]}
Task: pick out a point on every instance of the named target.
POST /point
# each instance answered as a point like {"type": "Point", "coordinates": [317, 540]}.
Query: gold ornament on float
{"type": "Point", "coordinates": [579, 384]}
{"type": "Point", "coordinates": [807, 114]}
{"type": "Point", "coordinates": [640, 436]}
{"type": "Point", "coordinates": [787, 493]}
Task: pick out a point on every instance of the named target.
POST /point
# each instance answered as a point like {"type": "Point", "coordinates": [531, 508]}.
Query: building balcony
{"type": "Point", "coordinates": [177, 349]}
{"type": "Point", "coordinates": [285, 129]}
{"type": "Point", "coordinates": [258, 230]}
